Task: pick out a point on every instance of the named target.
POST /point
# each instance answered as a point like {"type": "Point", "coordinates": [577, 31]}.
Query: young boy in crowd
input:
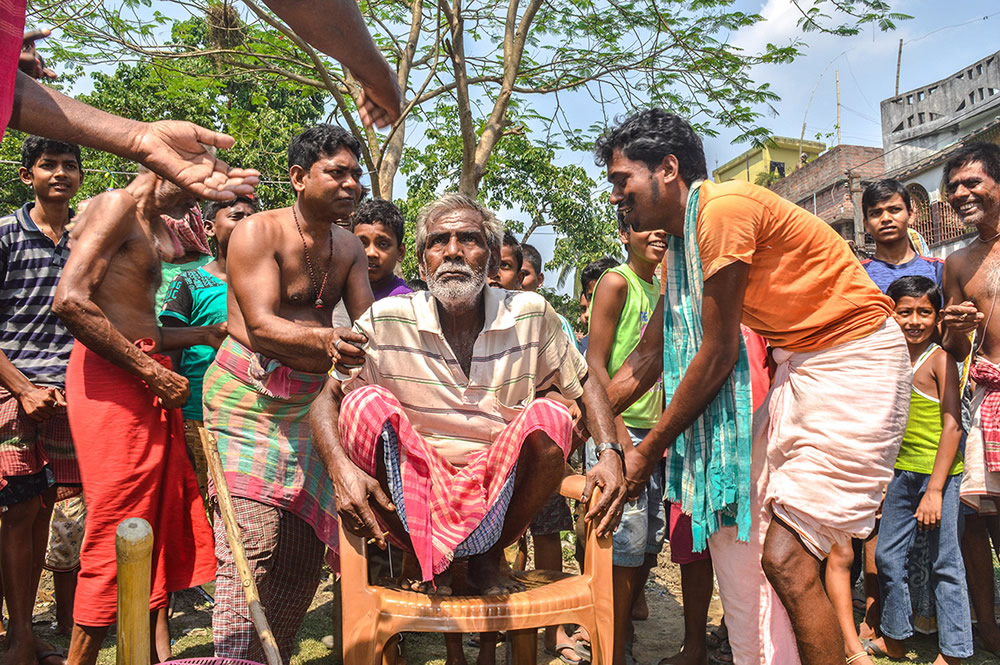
{"type": "Point", "coordinates": [588, 282]}
{"type": "Point", "coordinates": [622, 304]}
{"type": "Point", "coordinates": [379, 226]}
{"type": "Point", "coordinates": [508, 275]}
{"type": "Point", "coordinates": [924, 493]}
{"type": "Point", "coordinates": [36, 451]}
{"type": "Point", "coordinates": [197, 299]}
{"type": "Point", "coordinates": [888, 212]}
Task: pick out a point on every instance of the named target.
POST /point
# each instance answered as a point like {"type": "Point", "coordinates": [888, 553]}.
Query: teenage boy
{"type": "Point", "coordinates": [508, 276]}
{"type": "Point", "coordinates": [197, 298]}
{"type": "Point", "coordinates": [588, 282]}
{"type": "Point", "coordinates": [36, 450]}
{"type": "Point", "coordinates": [623, 303]}
{"type": "Point", "coordinates": [532, 276]}
{"type": "Point", "coordinates": [888, 211]}
{"type": "Point", "coordinates": [379, 226]}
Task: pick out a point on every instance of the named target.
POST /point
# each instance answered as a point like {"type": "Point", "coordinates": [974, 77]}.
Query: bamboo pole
{"type": "Point", "coordinates": [235, 539]}
{"type": "Point", "coordinates": [133, 550]}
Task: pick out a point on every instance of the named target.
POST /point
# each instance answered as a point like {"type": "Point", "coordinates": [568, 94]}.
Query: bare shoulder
{"type": "Point", "coordinates": [610, 290]}
{"type": "Point", "coordinates": [348, 243]}
{"type": "Point", "coordinates": [105, 210]}
{"type": "Point", "coordinates": [259, 229]}
{"type": "Point", "coordinates": [963, 262]}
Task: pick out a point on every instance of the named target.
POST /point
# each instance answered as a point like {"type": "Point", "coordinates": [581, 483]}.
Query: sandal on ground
{"type": "Point", "coordinates": [873, 649]}
{"type": "Point", "coordinates": [716, 636]}
{"type": "Point", "coordinates": [723, 654]}
{"type": "Point", "coordinates": [581, 649]}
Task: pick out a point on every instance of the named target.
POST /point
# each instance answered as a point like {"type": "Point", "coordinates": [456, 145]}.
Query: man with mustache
{"type": "Point", "coordinates": [971, 283]}
{"type": "Point", "coordinates": [448, 409]}
{"type": "Point", "coordinates": [815, 473]}
{"type": "Point", "coordinates": [287, 270]}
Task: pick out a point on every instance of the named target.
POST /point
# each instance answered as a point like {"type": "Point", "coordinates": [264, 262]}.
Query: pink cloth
{"type": "Point", "coordinates": [444, 504]}
{"type": "Point", "coordinates": [11, 40]}
{"type": "Point", "coordinates": [987, 376]}
{"type": "Point", "coordinates": [188, 231]}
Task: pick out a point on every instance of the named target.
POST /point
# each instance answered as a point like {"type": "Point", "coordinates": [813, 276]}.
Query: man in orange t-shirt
{"type": "Point", "coordinates": [826, 439]}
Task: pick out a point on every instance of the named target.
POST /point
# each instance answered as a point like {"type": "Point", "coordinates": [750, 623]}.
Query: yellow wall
{"type": "Point", "coordinates": [747, 166]}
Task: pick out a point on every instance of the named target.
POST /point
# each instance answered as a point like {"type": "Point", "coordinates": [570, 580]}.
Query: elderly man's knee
{"type": "Point", "coordinates": [786, 563]}
{"type": "Point", "coordinates": [543, 450]}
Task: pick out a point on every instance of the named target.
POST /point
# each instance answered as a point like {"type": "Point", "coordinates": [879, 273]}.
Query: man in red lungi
{"type": "Point", "coordinates": [124, 404]}
{"type": "Point", "coordinates": [445, 427]}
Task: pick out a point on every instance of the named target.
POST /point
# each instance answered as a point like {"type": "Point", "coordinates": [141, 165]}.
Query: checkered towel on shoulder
{"type": "Point", "coordinates": [443, 504]}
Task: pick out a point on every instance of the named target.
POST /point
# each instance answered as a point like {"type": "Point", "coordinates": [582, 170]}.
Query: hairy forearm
{"type": "Point", "coordinates": [43, 111]}
{"type": "Point", "coordinates": [299, 347]}
{"type": "Point", "coordinates": [11, 377]}
{"type": "Point", "coordinates": [596, 411]}
{"type": "Point", "coordinates": [88, 324]}
{"type": "Point", "coordinates": [706, 374]}
{"type": "Point", "coordinates": [324, 415]}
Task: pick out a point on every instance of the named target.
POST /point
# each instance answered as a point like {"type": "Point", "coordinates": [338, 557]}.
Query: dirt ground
{"type": "Point", "coordinates": [656, 638]}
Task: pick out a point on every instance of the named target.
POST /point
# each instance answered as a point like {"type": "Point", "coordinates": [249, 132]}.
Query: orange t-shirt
{"type": "Point", "coordinates": [805, 290]}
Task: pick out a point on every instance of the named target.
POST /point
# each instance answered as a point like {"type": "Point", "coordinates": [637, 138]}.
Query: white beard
{"type": "Point", "coordinates": [454, 291]}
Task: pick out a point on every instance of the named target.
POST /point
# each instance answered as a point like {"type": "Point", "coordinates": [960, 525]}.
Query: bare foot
{"type": "Point", "coordinates": [866, 632]}
{"type": "Point", "coordinates": [441, 586]}
{"type": "Point", "coordinates": [487, 577]}
{"type": "Point", "coordinates": [48, 654]}
{"type": "Point", "coordinates": [640, 609]}
{"type": "Point", "coordinates": [687, 657]}
{"type": "Point", "coordinates": [20, 652]}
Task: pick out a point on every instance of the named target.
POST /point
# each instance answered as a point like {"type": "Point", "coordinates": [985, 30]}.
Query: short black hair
{"type": "Point", "coordinates": [915, 286]}
{"type": "Point", "coordinates": [883, 190]}
{"type": "Point", "coordinates": [35, 146]}
{"type": "Point", "coordinates": [213, 208]}
{"type": "Point", "coordinates": [320, 140]}
{"type": "Point", "coordinates": [532, 256]}
{"type": "Point", "coordinates": [593, 270]}
{"type": "Point", "coordinates": [510, 241]}
{"type": "Point", "coordinates": [380, 211]}
{"type": "Point", "coordinates": [649, 136]}
{"type": "Point", "coordinates": [987, 154]}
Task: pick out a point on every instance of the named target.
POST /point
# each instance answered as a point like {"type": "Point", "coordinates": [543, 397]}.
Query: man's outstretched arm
{"type": "Point", "coordinates": [336, 28]}
{"type": "Point", "coordinates": [641, 368]}
{"type": "Point", "coordinates": [175, 150]}
{"type": "Point", "coordinates": [721, 311]}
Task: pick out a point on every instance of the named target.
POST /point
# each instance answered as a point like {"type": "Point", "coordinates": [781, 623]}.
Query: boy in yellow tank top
{"type": "Point", "coordinates": [924, 492]}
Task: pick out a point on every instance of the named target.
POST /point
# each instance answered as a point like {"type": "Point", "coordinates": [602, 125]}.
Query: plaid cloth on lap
{"type": "Point", "coordinates": [987, 375]}
{"type": "Point", "coordinates": [443, 504]}
{"type": "Point", "coordinates": [708, 467]}
{"type": "Point", "coordinates": [259, 411]}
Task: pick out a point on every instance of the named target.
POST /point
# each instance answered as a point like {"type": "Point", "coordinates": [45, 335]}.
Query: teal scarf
{"type": "Point", "coordinates": [708, 467]}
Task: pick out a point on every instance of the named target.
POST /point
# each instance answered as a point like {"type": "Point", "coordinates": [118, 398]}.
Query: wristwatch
{"type": "Point", "coordinates": [610, 445]}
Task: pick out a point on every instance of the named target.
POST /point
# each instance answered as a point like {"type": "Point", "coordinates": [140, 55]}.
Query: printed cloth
{"type": "Point", "coordinates": [66, 535]}
{"type": "Point", "coordinates": [188, 232]}
{"type": "Point", "coordinates": [979, 484]}
{"type": "Point", "coordinates": [987, 375]}
{"type": "Point", "coordinates": [521, 351]}
{"type": "Point", "coordinates": [33, 338]}
{"type": "Point", "coordinates": [11, 39]}
{"type": "Point", "coordinates": [827, 467]}
{"type": "Point", "coordinates": [195, 298]}
{"type": "Point", "coordinates": [286, 560]}
{"type": "Point", "coordinates": [258, 410]}
{"type": "Point", "coordinates": [133, 463]}
{"type": "Point", "coordinates": [443, 504]}
{"type": "Point", "coordinates": [708, 467]}
{"type": "Point", "coordinates": [26, 446]}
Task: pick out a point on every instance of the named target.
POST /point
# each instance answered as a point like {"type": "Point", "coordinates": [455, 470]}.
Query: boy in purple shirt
{"type": "Point", "coordinates": [378, 225]}
{"type": "Point", "coordinates": [888, 211]}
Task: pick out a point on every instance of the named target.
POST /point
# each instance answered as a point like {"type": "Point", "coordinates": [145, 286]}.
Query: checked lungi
{"type": "Point", "coordinates": [26, 446]}
{"type": "Point", "coordinates": [442, 505]}
{"type": "Point", "coordinates": [258, 409]}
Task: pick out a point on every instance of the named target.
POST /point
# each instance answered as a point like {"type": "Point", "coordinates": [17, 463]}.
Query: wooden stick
{"type": "Point", "coordinates": [133, 551]}
{"type": "Point", "coordinates": [235, 539]}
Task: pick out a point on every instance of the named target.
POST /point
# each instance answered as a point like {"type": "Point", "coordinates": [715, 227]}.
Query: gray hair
{"type": "Point", "coordinates": [492, 227]}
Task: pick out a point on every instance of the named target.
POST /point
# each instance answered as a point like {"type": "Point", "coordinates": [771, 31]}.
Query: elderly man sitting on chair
{"type": "Point", "coordinates": [442, 426]}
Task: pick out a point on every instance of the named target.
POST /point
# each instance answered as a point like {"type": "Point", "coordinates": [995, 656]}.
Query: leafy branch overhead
{"type": "Point", "coordinates": [485, 58]}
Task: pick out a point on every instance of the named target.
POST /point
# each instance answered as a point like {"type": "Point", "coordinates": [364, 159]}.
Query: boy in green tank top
{"type": "Point", "coordinates": [924, 492]}
{"type": "Point", "coordinates": [622, 304]}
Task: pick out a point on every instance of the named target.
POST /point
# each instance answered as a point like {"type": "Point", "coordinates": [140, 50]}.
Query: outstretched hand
{"type": "Point", "coordinates": [178, 151]}
{"type": "Point", "coordinates": [30, 62]}
{"type": "Point", "coordinates": [608, 475]}
{"type": "Point", "coordinates": [380, 101]}
{"type": "Point", "coordinates": [352, 489]}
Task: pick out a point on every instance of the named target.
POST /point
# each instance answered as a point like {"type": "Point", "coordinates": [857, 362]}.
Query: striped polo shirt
{"type": "Point", "coordinates": [31, 336]}
{"type": "Point", "coordinates": [521, 351]}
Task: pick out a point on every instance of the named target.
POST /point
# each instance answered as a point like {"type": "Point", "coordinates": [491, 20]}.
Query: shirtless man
{"type": "Point", "coordinates": [122, 406]}
{"type": "Point", "coordinates": [288, 268]}
{"type": "Point", "coordinates": [971, 285]}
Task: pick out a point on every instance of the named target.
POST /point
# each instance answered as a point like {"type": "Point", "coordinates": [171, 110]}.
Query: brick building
{"type": "Point", "coordinates": [823, 186]}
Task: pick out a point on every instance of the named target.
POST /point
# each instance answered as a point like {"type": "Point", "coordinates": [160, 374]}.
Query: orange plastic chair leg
{"type": "Point", "coordinates": [524, 646]}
